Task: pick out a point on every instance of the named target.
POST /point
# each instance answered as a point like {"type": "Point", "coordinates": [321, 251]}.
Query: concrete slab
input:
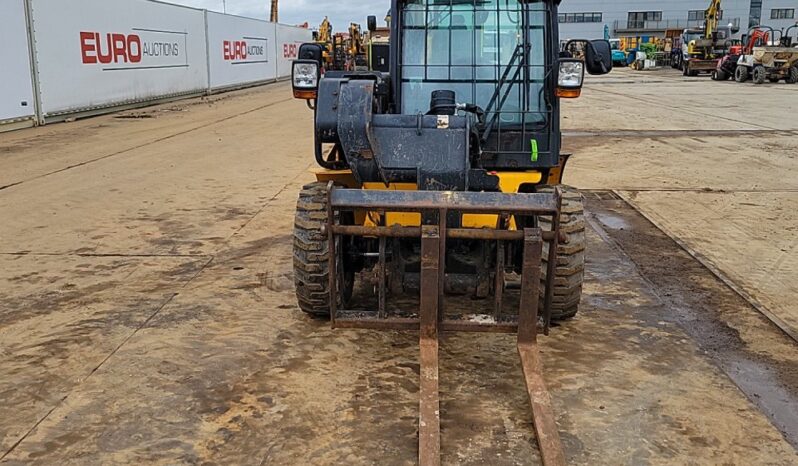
{"type": "Point", "coordinates": [679, 162]}
{"type": "Point", "coordinates": [218, 365]}
{"type": "Point", "coordinates": [725, 194]}
{"type": "Point", "coordinates": [62, 317]}
{"type": "Point", "coordinates": [27, 155]}
{"type": "Point", "coordinates": [665, 99]}
{"type": "Point", "coordinates": [751, 237]}
{"type": "Point", "coordinates": [183, 195]}
{"type": "Point", "coordinates": [230, 372]}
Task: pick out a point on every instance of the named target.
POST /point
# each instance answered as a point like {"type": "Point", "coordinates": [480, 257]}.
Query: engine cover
{"type": "Point", "coordinates": [429, 150]}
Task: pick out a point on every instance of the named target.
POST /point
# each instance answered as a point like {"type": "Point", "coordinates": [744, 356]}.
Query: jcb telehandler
{"type": "Point", "coordinates": [443, 180]}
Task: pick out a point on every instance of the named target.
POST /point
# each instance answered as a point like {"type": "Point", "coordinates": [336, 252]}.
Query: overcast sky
{"type": "Point", "coordinates": [340, 12]}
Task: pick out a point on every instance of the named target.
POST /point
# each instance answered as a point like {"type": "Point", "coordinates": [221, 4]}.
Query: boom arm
{"type": "Point", "coordinates": [325, 31]}
{"type": "Point", "coordinates": [758, 37]}
{"type": "Point", "coordinates": [711, 18]}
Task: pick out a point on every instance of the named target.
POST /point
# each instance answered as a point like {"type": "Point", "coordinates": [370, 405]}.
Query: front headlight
{"type": "Point", "coordinates": [572, 74]}
{"type": "Point", "coordinates": [306, 75]}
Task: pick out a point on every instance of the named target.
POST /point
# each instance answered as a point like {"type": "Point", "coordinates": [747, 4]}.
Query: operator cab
{"type": "Point", "coordinates": [490, 69]}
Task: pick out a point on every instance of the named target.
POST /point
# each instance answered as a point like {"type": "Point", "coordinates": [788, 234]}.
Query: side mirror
{"type": "Point", "coordinates": [372, 23]}
{"type": "Point", "coordinates": [311, 52]}
{"type": "Point", "coordinates": [598, 57]}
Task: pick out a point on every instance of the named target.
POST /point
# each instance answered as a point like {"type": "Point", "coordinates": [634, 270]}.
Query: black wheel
{"type": "Point", "coordinates": [792, 76]}
{"type": "Point", "coordinates": [685, 68]}
{"type": "Point", "coordinates": [570, 271]}
{"type": "Point", "coordinates": [720, 75]}
{"type": "Point", "coordinates": [311, 254]}
{"type": "Point", "coordinates": [741, 74]}
{"type": "Point", "coordinates": [759, 75]}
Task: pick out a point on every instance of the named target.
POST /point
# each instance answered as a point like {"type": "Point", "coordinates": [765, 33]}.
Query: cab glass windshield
{"type": "Point", "coordinates": [470, 46]}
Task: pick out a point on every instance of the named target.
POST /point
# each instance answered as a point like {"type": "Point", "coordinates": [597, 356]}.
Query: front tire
{"type": "Point", "coordinates": [311, 254]}
{"type": "Point", "coordinates": [570, 270]}
{"type": "Point", "coordinates": [741, 74]}
{"type": "Point", "coordinates": [792, 76]}
{"type": "Point", "coordinates": [760, 74]}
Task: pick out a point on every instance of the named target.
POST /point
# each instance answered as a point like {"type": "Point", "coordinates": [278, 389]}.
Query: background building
{"type": "Point", "coordinates": [654, 18]}
{"type": "Point", "coordinates": [778, 14]}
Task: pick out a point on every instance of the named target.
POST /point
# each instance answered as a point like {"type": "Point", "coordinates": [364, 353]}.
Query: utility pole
{"type": "Point", "coordinates": [275, 16]}
{"type": "Point", "coordinates": [224, 6]}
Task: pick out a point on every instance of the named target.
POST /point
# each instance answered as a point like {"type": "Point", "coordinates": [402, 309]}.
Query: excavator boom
{"type": "Point", "coordinates": [711, 18]}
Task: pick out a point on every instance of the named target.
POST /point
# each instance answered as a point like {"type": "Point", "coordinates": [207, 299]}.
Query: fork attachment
{"type": "Point", "coordinates": [436, 208]}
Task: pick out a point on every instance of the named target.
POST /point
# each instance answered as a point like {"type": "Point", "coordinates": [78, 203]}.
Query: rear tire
{"type": "Point", "coordinates": [570, 271]}
{"type": "Point", "coordinates": [792, 76]}
{"type": "Point", "coordinates": [760, 74]}
{"type": "Point", "coordinates": [741, 74]}
{"type": "Point", "coordinates": [311, 254]}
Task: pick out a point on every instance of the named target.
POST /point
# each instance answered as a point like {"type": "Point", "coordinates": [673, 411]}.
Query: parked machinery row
{"type": "Point", "coordinates": [354, 50]}
{"type": "Point", "coordinates": [765, 54]}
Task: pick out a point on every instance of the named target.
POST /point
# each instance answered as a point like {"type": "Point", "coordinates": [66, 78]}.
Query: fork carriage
{"type": "Point", "coordinates": [435, 208]}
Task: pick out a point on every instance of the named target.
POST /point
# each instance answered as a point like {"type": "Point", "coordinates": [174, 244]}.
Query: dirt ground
{"type": "Point", "coordinates": [717, 168]}
{"type": "Point", "coordinates": [147, 310]}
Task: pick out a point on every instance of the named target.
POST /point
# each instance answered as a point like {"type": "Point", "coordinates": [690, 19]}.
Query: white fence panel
{"type": "Point", "coordinates": [98, 53]}
{"type": "Point", "coordinates": [240, 50]}
{"type": "Point", "coordinates": [16, 83]}
{"type": "Point", "coordinates": [289, 39]}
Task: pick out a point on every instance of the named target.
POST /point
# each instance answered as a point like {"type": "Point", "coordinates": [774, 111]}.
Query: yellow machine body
{"type": "Point", "coordinates": [509, 182]}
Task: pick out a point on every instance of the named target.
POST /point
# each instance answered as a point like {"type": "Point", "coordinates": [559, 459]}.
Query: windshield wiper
{"type": "Point", "coordinates": [518, 54]}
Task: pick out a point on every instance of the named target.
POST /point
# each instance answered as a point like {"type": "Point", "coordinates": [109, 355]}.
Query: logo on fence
{"type": "Point", "coordinates": [290, 50]}
{"type": "Point", "coordinates": [141, 49]}
{"type": "Point", "coordinates": [246, 51]}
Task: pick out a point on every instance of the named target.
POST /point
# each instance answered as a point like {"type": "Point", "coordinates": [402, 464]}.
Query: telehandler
{"type": "Point", "coordinates": [442, 187]}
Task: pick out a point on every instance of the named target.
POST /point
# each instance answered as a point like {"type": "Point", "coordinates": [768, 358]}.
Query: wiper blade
{"type": "Point", "coordinates": [518, 54]}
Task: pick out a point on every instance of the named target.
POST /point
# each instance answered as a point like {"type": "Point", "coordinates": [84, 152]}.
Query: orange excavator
{"type": "Point", "coordinates": [727, 66]}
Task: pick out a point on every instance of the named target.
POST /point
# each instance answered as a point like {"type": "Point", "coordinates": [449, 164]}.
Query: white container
{"type": "Point", "coordinates": [102, 53]}
{"type": "Point", "coordinates": [289, 39]}
{"type": "Point", "coordinates": [16, 81]}
{"type": "Point", "coordinates": [241, 51]}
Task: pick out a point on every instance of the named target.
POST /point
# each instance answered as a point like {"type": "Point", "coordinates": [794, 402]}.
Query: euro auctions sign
{"type": "Point", "coordinates": [290, 50]}
{"type": "Point", "coordinates": [247, 50]}
{"type": "Point", "coordinates": [137, 49]}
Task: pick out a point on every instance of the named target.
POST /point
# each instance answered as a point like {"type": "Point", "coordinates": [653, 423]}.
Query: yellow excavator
{"type": "Point", "coordinates": [357, 58]}
{"type": "Point", "coordinates": [324, 37]}
{"type": "Point", "coordinates": [702, 49]}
